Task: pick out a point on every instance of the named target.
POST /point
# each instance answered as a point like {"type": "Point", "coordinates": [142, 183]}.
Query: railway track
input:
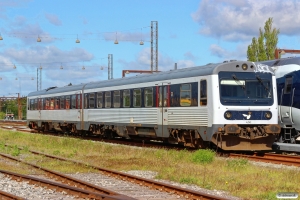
{"type": "Point", "coordinates": [151, 184]}
{"type": "Point", "coordinates": [270, 158]}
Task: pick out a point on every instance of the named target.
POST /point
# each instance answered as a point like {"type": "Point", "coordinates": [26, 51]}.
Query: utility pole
{"type": "Point", "coordinates": [154, 45]}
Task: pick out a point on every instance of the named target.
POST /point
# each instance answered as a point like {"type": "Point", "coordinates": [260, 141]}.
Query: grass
{"type": "Point", "coordinates": [236, 176]}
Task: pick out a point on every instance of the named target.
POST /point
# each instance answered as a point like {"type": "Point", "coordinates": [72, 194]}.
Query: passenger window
{"type": "Point", "coordinates": [99, 100]}
{"type": "Point", "coordinates": [126, 98]}
{"type": "Point", "coordinates": [73, 101]}
{"type": "Point", "coordinates": [148, 96]}
{"type": "Point", "coordinates": [203, 93]}
{"type": "Point", "coordinates": [117, 99]}
{"type": "Point", "coordinates": [68, 102]}
{"type": "Point", "coordinates": [137, 98]}
{"type": "Point", "coordinates": [185, 95]}
{"type": "Point", "coordinates": [57, 102]}
{"type": "Point", "coordinates": [163, 95]}
{"type": "Point", "coordinates": [107, 99]}
{"type": "Point", "coordinates": [62, 102]}
{"type": "Point", "coordinates": [52, 102]}
{"type": "Point", "coordinates": [47, 104]}
{"type": "Point", "coordinates": [91, 100]}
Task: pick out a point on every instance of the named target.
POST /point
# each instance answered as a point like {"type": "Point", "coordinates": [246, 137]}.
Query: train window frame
{"type": "Point", "coordinates": [126, 97]}
{"type": "Point", "coordinates": [148, 95]}
{"type": "Point", "coordinates": [288, 85]}
{"type": "Point", "coordinates": [107, 97]}
{"type": "Point", "coordinates": [100, 99]}
{"type": "Point", "coordinates": [91, 100]}
{"type": "Point", "coordinates": [187, 91]}
{"type": "Point", "coordinates": [117, 99]}
{"type": "Point", "coordinates": [203, 92]}
{"type": "Point", "coordinates": [137, 98]}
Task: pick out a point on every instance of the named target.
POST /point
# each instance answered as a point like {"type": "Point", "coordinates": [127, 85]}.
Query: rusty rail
{"type": "Point", "coordinates": [73, 181]}
{"type": "Point", "coordinates": [270, 158]}
{"type": "Point", "coordinates": [8, 196]}
{"type": "Point", "coordinates": [186, 193]}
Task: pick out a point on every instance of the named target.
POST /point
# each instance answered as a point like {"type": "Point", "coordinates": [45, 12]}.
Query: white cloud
{"type": "Point", "coordinates": [236, 20]}
{"type": "Point", "coordinates": [53, 19]}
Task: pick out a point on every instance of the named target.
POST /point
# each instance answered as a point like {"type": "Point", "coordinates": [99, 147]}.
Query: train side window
{"type": "Point", "coordinates": [62, 102]}
{"type": "Point", "coordinates": [57, 103]}
{"type": "Point", "coordinates": [288, 85]}
{"type": "Point", "coordinates": [126, 98]}
{"type": "Point", "coordinates": [137, 98]}
{"type": "Point", "coordinates": [107, 99]}
{"type": "Point", "coordinates": [148, 97]}
{"type": "Point", "coordinates": [68, 102]}
{"type": "Point", "coordinates": [116, 99]}
{"type": "Point", "coordinates": [85, 100]}
{"type": "Point", "coordinates": [73, 101]}
{"type": "Point", "coordinates": [92, 100]}
{"type": "Point", "coordinates": [47, 104]}
{"type": "Point", "coordinates": [78, 101]}
{"type": "Point", "coordinates": [99, 100]}
{"type": "Point", "coordinates": [52, 101]}
{"type": "Point", "coordinates": [31, 104]}
{"type": "Point", "coordinates": [203, 93]}
{"type": "Point", "coordinates": [185, 95]}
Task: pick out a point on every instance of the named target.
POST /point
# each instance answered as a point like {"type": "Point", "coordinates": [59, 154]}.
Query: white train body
{"type": "Point", "coordinates": [230, 105]}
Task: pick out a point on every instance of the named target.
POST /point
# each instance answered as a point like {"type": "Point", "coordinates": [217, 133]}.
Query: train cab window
{"type": "Point", "coordinates": [92, 100]}
{"type": "Point", "coordinates": [73, 101]}
{"type": "Point", "coordinates": [203, 93]}
{"type": "Point", "coordinates": [57, 103]}
{"type": "Point", "coordinates": [62, 102]}
{"type": "Point", "coordinates": [148, 97]}
{"type": "Point", "coordinates": [137, 98]}
{"type": "Point", "coordinates": [126, 98]}
{"type": "Point", "coordinates": [68, 102]}
{"type": "Point", "coordinates": [52, 102]}
{"type": "Point", "coordinates": [107, 99]}
{"type": "Point", "coordinates": [99, 99]}
{"type": "Point", "coordinates": [116, 99]}
{"type": "Point", "coordinates": [288, 85]}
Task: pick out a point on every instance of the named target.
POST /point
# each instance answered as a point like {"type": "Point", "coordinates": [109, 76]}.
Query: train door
{"type": "Point", "coordinates": [163, 102]}
{"type": "Point", "coordinates": [79, 106]}
{"type": "Point", "coordinates": [286, 101]}
{"type": "Point", "coordinates": [40, 107]}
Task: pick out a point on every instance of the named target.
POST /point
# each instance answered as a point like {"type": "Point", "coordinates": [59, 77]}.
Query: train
{"type": "Point", "coordinates": [230, 105]}
{"type": "Point", "coordinates": [287, 73]}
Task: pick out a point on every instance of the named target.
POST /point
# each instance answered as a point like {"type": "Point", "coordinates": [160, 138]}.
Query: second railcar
{"type": "Point", "coordinates": [228, 105]}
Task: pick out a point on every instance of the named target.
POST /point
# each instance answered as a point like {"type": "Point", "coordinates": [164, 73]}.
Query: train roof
{"type": "Point", "coordinates": [204, 70]}
{"type": "Point", "coordinates": [283, 66]}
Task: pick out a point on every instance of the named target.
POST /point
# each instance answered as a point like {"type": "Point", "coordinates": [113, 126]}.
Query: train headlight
{"type": "Point", "coordinates": [268, 115]}
{"type": "Point", "coordinates": [244, 66]}
{"type": "Point", "coordinates": [227, 115]}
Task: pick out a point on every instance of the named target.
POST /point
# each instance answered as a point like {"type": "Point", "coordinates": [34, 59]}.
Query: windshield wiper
{"type": "Point", "coordinates": [261, 82]}
{"type": "Point", "coordinates": [238, 81]}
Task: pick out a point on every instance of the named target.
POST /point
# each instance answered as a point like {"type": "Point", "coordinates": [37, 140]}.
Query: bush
{"type": "Point", "coordinates": [203, 156]}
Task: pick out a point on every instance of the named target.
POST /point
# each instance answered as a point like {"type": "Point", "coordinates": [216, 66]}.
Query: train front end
{"type": "Point", "coordinates": [246, 110]}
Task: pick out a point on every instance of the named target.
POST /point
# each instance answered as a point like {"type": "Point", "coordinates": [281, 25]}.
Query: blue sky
{"type": "Point", "coordinates": [190, 33]}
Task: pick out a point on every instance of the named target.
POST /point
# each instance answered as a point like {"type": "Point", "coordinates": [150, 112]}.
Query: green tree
{"type": "Point", "coordinates": [264, 47]}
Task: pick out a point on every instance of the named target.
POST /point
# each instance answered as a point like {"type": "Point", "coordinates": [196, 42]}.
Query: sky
{"type": "Point", "coordinates": [190, 33]}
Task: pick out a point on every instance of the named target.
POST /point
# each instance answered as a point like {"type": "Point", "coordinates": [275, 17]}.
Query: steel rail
{"type": "Point", "coordinates": [183, 192]}
{"type": "Point", "coordinates": [60, 187]}
{"type": "Point", "coordinates": [271, 158]}
{"type": "Point", "coordinates": [9, 196]}
{"type": "Point", "coordinates": [72, 181]}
